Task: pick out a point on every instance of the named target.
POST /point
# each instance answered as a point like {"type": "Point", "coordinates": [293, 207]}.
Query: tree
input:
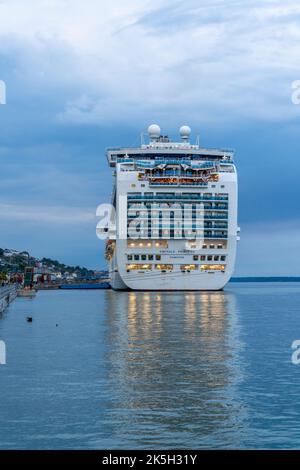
{"type": "Point", "coordinates": [2, 276]}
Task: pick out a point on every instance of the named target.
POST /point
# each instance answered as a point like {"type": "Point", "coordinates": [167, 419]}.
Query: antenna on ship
{"type": "Point", "coordinates": [142, 139]}
{"type": "Point", "coordinates": [198, 140]}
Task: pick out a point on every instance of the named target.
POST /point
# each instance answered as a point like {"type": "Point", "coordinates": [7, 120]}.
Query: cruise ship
{"type": "Point", "coordinates": [173, 221]}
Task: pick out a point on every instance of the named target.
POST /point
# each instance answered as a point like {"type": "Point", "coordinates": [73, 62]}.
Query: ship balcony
{"type": "Point", "coordinates": [207, 232]}
{"type": "Point", "coordinates": [177, 175]}
{"type": "Point", "coordinates": [182, 215]}
{"type": "Point", "coordinates": [156, 223]}
{"type": "Point", "coordinates": [147, 208]}
{"type": "Point", "coordinates": [178, 183]}
{"type": "Point", "coordinates": [167, 236]}
{"type": "Point", "coordinates": [155, 211]}
{"type": "Point", "coordinates": [132, 214]}
{"type": "Point", "coordinates": [184, 197]}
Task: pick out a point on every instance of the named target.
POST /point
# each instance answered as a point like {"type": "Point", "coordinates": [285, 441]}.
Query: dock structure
{"type": "Point", "coordinates": [7, 295]}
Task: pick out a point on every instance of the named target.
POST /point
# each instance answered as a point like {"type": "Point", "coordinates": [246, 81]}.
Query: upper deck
{"type": "Point", "coordinates": [160, 147]}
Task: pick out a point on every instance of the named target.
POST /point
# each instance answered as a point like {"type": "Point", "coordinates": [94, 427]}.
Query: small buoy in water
{"type": "Point", "coordinates": [29, 319]}
{"type": "Point", "coordinates": [56, 324]}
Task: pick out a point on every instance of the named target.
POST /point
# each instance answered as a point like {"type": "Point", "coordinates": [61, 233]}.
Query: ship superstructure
{"type": "Point", "coordinates": [173, 224]}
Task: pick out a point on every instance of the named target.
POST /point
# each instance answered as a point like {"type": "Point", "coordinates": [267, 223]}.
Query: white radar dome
{"type": "Point", "coordinates": [154, 131]}
{"type": "Point", "coordinates": [185, 132]}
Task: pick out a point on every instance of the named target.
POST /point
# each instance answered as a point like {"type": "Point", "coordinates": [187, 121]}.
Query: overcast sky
{"type": "Point", "coordinates": [82, 76]}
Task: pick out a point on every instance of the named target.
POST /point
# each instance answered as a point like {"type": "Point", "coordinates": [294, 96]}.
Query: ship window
{"type": "Point", "coordinates": [158, 257]}
{"type": "Point", "coordinates": [133, 185]}
{"type": "Point", "coordinates": [223, 258]}
{"type": "Point", "coordinates": [209, 258]}
{"type": "Point", "coordinates": [143, 257]}
{"type": "Point", "coordinates": [164, 267]}
{"type": "Point", "coordinates": [212, 267]}
{"type": "Point", "coordinates": [195, 258]}
{"type": "Point", "coordinates": [220, 247]}
{"type": "Point", "coordinates": [216, 258]}
{"type": "Point", "coordinates": [204, 247]}
{"type": "Point", "coordinates": [150, 257]}
{"type": "Point", "coordinates": [129, 257]}
{"type": "Point", "coordinates": [136, 257]}
{"type": "Point", "coordinates": [161, 244]}
{"type": "Point", "coordinates": [222, 186]}
{"type": "Point", "coordinates": [202, 257]}
{"type": "Point", "coordinates": [139, 243]}
{"type": "Point", "coordinates": [188, 267]}
{"type": "Point", "coordinates": [211, 247]}
{"type": "Point", "coordinates": [131, 267]}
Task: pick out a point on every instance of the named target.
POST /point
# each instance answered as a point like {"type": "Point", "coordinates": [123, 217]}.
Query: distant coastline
{"type": "Point", "coordinates": [266, 279]}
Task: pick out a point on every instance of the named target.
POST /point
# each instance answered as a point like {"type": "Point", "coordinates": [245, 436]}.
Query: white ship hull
{"type": "Point", "coordinates": [176, 281]}
{"type": "Point", "coordinates": [154, 280]}
{"type": "Point", "coordinates": [116, 282]}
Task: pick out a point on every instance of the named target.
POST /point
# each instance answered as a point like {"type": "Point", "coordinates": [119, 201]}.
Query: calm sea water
{"type": "Point", "coordinates": [100, 369]}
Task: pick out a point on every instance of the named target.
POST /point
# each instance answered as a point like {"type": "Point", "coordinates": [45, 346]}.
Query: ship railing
{"type": "Point", "coordinates": [176, 173]}
{"type": "Point", "coordinates": [178, 184]}
{"type": "Point", "coordinates": [185, 197]}
{"type": "Point", "coordinates": [156, 222]}
{"type": "Point", "coordinates": [185, 227]}
{"type": "Point", "coordinates": [156, 217]}
{"type": "Point", "coordinates": [168, 203]}
{"type": "Point", "coordinates": [211, 207]}
{"type": "Point", "coordinates": [183, 224]}
{"type": "Point", "coordinates": [199, 209]}
{"type": "Point", "coordinates": [207, 237]}
{"type": "Point", "coordinates": [167, 209]}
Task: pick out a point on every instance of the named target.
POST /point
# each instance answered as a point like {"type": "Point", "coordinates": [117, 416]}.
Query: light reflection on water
{"type": "Point", "coordinates": [152, 369]}
{"type": "Point", "coordinates": [174, 363]}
